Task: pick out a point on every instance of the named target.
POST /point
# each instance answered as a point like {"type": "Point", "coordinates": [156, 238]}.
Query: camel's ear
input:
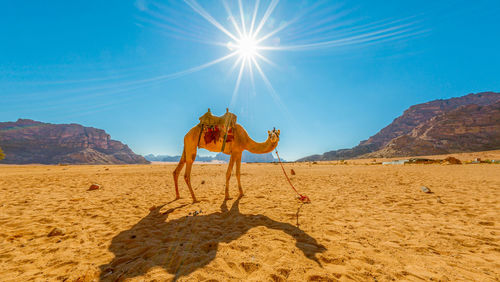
{"type": "Point", "coordinates": [278, 132]}
{"type": "Point", "coordinates": [269, 132]}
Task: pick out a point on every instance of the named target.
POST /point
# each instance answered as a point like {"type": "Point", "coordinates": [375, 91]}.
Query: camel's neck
{"type": "Point", "coordinates": [260, 148]}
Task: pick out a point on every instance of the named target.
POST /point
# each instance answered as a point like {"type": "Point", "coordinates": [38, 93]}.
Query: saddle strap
{"type": "Point", "coordinates": [226, 125]}
{"type": "Point", "coordinates": [224, 142]}
{"type": "Point", "coordinates": [199, 137]}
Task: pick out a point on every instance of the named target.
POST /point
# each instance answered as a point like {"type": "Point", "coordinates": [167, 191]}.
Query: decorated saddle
{"type": "Point", "coordinates": [213, 128]}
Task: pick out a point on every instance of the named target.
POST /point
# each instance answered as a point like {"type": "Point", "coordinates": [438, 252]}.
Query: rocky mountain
{"type": "Point", "coordinates": [27, 141]}
{"type": "Point", "coordinates": [405, 136]}
{"type": "Point", "coordinates": [466, 129]}
{"type": "Point", "coordinates": [247, 157]}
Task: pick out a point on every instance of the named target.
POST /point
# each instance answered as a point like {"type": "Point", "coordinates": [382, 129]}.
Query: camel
{"type": "Point", "coordinates": [234, 147]}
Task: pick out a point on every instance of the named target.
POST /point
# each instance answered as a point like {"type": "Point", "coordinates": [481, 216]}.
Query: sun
{"type": "Point", "coordinates": [246, 46]}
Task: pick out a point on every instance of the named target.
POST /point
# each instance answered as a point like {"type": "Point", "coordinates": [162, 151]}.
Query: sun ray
{"type": "Point", "coordinates": [280, 28]}
{"type": "Point", "coordinates": [238, 81]}
{"type": "Point", "coordinates": [231, 17]}
{"type": "Point", "coordinates": [236, 63]}
{"type": "Point", "coordinates": [123, 86]}
{"type": "Point", "coordinates": [268, 12]}
{"type": "Point", "coordinates": [250, 68]}
{"type": "Point", "coordinates": [359, 29]}
{"type": "Point", "coordinates": [266, 59]}
{"type": "Point", "coordinates": [255, 9]}
{"type": "Point", "coordinates": [242, 18]}
{"type": "Point", "coordinates": [172, 31]}
{"type": "Point", "coordinates": [268, 84]}
{"type": "Point", "coordinates": [352, 40]}
{"type": "Point", "coordinates": [197, 8]}
{"type": "Point", "coordinates": [273, 32]}
{"type": "Point", "coordinates": [191, 70]}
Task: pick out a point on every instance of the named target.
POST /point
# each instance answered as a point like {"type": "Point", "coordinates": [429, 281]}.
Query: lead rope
{"type": "Point", "coordinates": [303, 198]}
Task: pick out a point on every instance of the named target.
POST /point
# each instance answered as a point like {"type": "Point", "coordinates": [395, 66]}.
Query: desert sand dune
{"type": "Point", "coordinates": [365, 222]}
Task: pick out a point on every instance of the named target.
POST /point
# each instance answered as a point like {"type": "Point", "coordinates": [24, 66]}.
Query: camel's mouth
{"type": "Point", "coordinates": [274, 135]}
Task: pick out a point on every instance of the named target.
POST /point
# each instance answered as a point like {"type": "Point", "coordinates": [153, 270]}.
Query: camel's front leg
{"type": "Point", "coordinates": [238, 173]}
{"type": "Point", "coordinates": [228, 176]}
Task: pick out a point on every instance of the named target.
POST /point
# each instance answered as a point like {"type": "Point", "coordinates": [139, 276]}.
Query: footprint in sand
{"type": "Point", "coordinates": [250, 267]}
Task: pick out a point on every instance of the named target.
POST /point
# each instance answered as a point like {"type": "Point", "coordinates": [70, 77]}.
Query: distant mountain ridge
{"type": "Point", "coordinates": [27, 141]}
{"type": "Point", "coordinates": [246, 157]}
{"type": "Point", "coordinates": [406, 135]}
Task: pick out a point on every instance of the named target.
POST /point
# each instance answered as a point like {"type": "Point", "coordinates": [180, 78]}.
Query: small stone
{"type": "Point", "coordinates": [56, 232]}
{"type": "Point", "coordinates": [203, 182]}
{"type": "Point", "coordinates": [425, 189]}
{"type": "Point", "coordinates": [438, 199]}
{"type": "Point", "coordinates": [94, 187]}
{"type": "Point", "coordinates": [292, 172]}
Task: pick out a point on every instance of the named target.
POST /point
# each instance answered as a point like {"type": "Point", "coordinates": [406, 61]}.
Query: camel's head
{"type": "Point", "coordinates": [274, 135]}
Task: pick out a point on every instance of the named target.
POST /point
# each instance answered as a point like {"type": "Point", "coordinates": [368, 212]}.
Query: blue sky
{"type": "Point", "coordinates": [339, 72]}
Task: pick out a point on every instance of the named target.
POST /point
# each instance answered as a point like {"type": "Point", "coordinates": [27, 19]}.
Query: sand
{"type": "Point", "coordinates": [365, 223]}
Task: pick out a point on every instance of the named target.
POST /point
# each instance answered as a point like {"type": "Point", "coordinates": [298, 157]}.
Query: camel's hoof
{"type": "Point", "coordinates": [195, 201]}
{"type": "Point", "coordinates": [177, 198]}
{"type": "Point", "coordinates": [228, 198]}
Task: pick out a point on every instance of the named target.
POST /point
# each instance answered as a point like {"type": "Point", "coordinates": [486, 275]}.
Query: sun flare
{"type": "Point", "coordinates": [252, 37]}
{"type": "Point", "coordinates": [246, 46]}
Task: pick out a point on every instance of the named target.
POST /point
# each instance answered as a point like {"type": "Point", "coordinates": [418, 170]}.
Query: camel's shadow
{"type": "Point", "coordinates": [183, 245]}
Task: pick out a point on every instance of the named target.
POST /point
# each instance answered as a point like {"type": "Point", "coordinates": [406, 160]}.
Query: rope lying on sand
{"type": "Point", "coordinates": [302, 198]}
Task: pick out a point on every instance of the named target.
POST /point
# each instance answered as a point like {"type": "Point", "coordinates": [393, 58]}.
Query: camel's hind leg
{"type": "Point", "coordinates": [228, 176]}
{"type": "Point", "coordinates": [177, 172]}
{"type": "Point", "coordinates": [190, 157]}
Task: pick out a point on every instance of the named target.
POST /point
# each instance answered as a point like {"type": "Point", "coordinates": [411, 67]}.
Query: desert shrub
{"type": "Point", "coordinates": [452, 160]}
{"type": "Point", "coordinates": [2, 155]}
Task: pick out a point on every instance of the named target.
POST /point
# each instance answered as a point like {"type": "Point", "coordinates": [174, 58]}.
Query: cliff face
{"type": "Point", "coordinates": [421, 113]}
{"type": "Point", "coordinates": [467, 129]}
{"type": "Point", "coordinates": [27, 141]}
{"type": "Point", "coordinates": [400, 137]}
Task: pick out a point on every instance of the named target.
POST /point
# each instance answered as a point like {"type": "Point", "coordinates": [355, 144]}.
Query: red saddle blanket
{"type": "Point", "coordinates": [212, 134]}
